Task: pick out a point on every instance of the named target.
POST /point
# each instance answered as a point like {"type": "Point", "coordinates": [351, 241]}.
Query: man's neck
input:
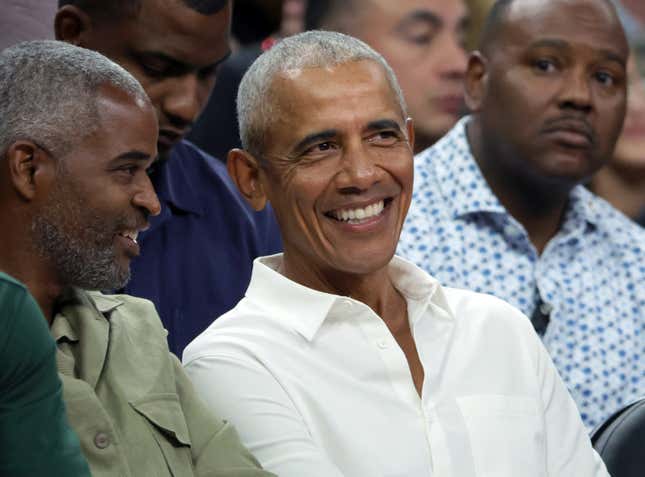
{"type": "Point", "coordinates": [25, 264]}
{"type": "Point", "coordinates": [539, 207]}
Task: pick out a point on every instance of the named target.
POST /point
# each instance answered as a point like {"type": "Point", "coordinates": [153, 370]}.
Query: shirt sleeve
{"type": "Point", "coordinates": [244, 391]}
{"type": "Point", "coordinates": [568, 447]}
{"type": "Point", "coordinates": [216, 447]}
{"type": "Point", "coordinates": [35, 437]}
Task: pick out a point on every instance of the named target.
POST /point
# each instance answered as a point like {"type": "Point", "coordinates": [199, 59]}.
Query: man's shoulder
{"type": "Point", "coordinates": [486, 314]}
{"type": "Point", "coordinates": [198, 163]}
{"type": "Point", "coordinates": [614, 226]}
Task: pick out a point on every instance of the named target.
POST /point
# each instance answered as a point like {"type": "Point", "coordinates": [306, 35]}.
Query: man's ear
{"type": "Point", "coordinates": [71, 23]}
{"type": "Point", "coordinates": [31, 169]}
{"type": "Point", "coordinates": [476, 82]}
{"type": "Point", "coordinates": [245, 171]}
{"type": "Point", "coordinates": [409, 125]}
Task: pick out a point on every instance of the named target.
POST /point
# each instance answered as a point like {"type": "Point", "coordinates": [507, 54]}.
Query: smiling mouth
{"type": "Point", "coordinates": [359, 215]}
{"type": "Point", "coordinates": [130, 234]}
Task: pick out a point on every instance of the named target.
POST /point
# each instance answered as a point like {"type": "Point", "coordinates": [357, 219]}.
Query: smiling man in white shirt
{"type": "Point", "coordinates": [343, 360]}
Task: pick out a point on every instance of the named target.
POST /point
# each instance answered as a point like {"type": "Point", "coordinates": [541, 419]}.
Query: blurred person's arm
{"type": "Point", "coordinates": [35, 437]}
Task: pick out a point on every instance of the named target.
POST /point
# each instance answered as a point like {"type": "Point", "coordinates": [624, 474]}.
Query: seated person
{"type": "Point", "coordinates": [35, 437]}
{"type": "Point", "coordinates": [499, 206]}
{"type": "Point", "coordinates": [621, 181]}
{"type": "Point", "coordinates": [196, 256]}
{"type": "Point", "coordinates": [343, 360]}
{"type": "Point", "coordinates": [77, 137]}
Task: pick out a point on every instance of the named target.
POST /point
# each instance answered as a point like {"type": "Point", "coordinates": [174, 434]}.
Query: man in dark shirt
{"type": "Point", "coordinates": [197, 255]}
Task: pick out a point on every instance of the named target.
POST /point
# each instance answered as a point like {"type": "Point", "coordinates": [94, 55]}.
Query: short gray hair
{"type": "Point", "coordinates": [312, 49]}
{"type": "Point", "coordinates": [48, 92]}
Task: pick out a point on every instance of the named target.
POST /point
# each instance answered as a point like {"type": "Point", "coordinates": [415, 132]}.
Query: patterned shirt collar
{"type": "Point", "coordinates": [306, 309]}
{"type": "Point", "coordinates": [464, 187]}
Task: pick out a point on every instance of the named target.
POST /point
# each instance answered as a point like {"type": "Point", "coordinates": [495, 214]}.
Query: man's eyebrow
{"type": "Point", "coordinates": [381, 124]}
{"type": "Point", "coordinates": [563, 45]}
{"type": "Point", "coordinates": [314, 138]}
{"type": "Point", "coordinates": [180, 65]}
{"type": "Point", "coordinates": [132, 155]}
{"type": "Point", "coordinates": [420, 16]}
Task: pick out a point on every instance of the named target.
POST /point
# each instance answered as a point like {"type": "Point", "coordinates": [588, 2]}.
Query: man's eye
{"type": "Point", "coordinates": [128, 170]}
{"type": "Point", "coordinates": [384, 138]}
{"type": "Point", "coordinates": [323, 146]}
{"type": "Point", "coordinates": [544, 65]}
{"type": "Point", "coordinates": [154, 69]}
{"type": "Point", "coordinates": [604, 78]}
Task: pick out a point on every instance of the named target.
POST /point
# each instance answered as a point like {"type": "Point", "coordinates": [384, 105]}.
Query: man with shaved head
{"type": "Point", "coordinates": [498, 206]}
{"type": "Point", "coordinates": [344, 360]}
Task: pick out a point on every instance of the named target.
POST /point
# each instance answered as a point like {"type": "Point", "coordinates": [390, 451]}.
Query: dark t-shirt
{"type": "Point", "coordinates": [35, 438]}
{"type": "Point", "coordinates": [197, 256]}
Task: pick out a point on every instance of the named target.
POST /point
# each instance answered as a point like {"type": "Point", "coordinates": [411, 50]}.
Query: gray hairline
{"type": "Point", "coordinates": [49, 92]}
{"type": "Point", "coordinates": [312, 49]}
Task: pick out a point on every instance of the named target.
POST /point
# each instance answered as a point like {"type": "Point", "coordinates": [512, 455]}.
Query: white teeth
{"type": "Point", "coordinates": [347, 215]}
{"type": "Point", "coordinates": [132, 235]}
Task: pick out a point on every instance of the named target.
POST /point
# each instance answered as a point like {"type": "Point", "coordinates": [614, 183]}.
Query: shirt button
{"type": "Point", "coordinates": [382, 344]}
{"type": "Point", "coordinates": [546, 308]}
{"type": "Point", "coordinates": [101, 440]}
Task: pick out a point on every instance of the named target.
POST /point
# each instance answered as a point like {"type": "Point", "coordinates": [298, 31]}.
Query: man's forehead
{"type": "Point", "coordinates": [521, 11]}
{"type": "Point", "coordinates": [332, 98]}
{"type": "Point", "coordinates": [183, 33]}
{"type": "Point", "coordinates": [590, 22]}
{"type": "Point", "coordinates": [313, 85]}
{"type": "Point", "coordinates": [405, 7]}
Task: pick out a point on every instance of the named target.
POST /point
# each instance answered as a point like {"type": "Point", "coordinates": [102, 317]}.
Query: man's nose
{"type": "Point", "coordinates": [452, 57]}
{"type": "Point", "coordinates": [359, 170]}
{"type": "Point", "coordinates": [185, 99]}
{"type": "Point", "coordinates": [576, 91]}
{"type": "Point", "coordinates": [146, 197]}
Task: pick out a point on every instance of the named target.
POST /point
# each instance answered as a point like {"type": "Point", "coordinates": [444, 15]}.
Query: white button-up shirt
{"type": "Point", "coordinates": [317, 386]}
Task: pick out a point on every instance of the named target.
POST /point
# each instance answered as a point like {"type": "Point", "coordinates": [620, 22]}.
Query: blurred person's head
{"type": "Point", "coordinates": [423, 41]}
{"type": "Point", "coordinates": [76, 138]}
{"type": "Point", "coordinates": [327, 141]}
{"type": "Point", "coordinates": [173, 47]}
{"type": "Point", "coordinates": [548, 91]}
{"type": "Point", "coordinates": [630, 147]}
{"type": "Point", "coordinates": [622, 181]}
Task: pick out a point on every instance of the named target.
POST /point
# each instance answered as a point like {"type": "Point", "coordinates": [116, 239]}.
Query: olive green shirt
{"type": "Point", "coordinates": [128, 399]}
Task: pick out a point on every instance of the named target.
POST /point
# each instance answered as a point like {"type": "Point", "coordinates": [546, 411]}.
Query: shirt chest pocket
{"type": "Point", "coordinates": [506, 435]}
{"type": "Point", "coordinates": [167, 424]}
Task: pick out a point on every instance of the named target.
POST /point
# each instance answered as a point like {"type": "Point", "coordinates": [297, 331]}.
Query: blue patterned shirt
{"type": "Point", "coordinates": [590, 276]}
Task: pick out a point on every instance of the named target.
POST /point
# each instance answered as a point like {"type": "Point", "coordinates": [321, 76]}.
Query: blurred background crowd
{"type": "Point", "coordinates": [430, 69]}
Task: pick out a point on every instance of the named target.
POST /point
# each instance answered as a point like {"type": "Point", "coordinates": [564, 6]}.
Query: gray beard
{"type": "Point", "coordinates": [81, 260]}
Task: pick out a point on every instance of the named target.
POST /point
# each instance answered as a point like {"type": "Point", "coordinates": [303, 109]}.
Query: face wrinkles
{"type": "Point", "coordinates": [87, 225]}
{"type": "Point", "coordinates": [351, 155]}
{"type": "Point", "coordinates": [568, 77]}
{"type": "Point", "coordinates": [423, 41]}
{"type": "Point", "coordinates": [174, 52]}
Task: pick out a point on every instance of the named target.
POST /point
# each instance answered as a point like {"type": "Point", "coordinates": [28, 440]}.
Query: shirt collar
{"type": "Point", "coordinates": [76, 305]}
{"type": "Point", "coordinates": [171, 179]}
{"type": "Point", "coordinates": [305, 309]}
{"type": "Point", "coordinates": [466, 191]}
{"type": "Point", "coordinates": [581, 210]}
{"type": "Point", "coordinates": [460, 180]}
